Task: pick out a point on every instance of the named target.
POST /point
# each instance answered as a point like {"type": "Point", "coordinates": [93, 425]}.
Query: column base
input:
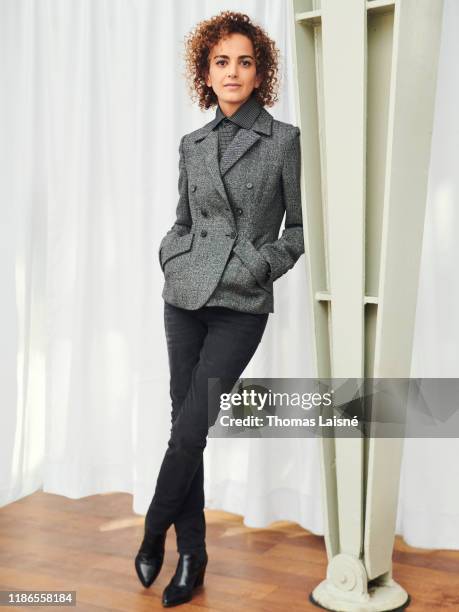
{"type": "Point", "coordinates": [390, 597]}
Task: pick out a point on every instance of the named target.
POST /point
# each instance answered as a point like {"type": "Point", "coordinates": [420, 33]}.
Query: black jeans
{"type": "Point", "coordinates": [211, 342]}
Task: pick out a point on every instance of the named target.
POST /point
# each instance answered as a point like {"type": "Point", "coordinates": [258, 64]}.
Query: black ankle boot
{"type": "Point", "coordinates": [189, 574]}
{"type": "Point", "coordinates": [149, 559]}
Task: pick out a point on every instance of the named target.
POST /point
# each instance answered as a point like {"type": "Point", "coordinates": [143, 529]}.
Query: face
{"type": "Point", "coordinates": [232, 71]}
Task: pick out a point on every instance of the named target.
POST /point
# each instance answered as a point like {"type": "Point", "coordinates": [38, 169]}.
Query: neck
{"type": "Point", "coordinates": [229, 108]}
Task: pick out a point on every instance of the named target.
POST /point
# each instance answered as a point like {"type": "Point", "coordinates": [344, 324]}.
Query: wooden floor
{"type": "Point", "coordinates": [88, 545]}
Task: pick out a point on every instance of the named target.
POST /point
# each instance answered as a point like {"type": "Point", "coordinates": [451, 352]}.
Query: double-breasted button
{"type": "Point", "coordinates": [203, 233]}
{"type": "Point", "coordinates": [239, 211]}
{"type": "Point", "coordinates": [204, 212]}
{"type": "Point", "coordinates": [233, 235]}
{"type": "Point", "coordinates": [193, 187]}
{"type": "Point", "coordinates": [249, 185]}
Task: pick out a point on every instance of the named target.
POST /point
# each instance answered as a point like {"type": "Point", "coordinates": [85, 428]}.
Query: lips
{"type": "Point", "coordinates": [232, 85]}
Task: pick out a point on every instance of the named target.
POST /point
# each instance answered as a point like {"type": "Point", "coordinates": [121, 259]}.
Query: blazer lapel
{"type": "Point", "coordinates": [210, 144]}
{"type": "Point", "coordinates": [240, 144]}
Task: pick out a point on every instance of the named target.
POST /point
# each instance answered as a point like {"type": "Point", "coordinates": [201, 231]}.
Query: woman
{"type": "Point", "coordinates": [239, 174]}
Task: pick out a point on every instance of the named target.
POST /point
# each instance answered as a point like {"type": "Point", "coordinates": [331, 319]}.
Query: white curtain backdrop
{"type": "Point", "coordinates": [92, 107]}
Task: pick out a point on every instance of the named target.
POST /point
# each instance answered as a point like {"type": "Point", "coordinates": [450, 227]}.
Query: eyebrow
{"type": "Point", "coordinates": [227, 57]}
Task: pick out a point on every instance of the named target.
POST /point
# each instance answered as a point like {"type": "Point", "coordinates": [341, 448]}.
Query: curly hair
{"type": "Point", "coordinates": [206, 34]}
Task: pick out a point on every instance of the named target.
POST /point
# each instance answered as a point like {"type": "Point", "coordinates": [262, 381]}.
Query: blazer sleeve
{"type": "Point", "coordinates": [183, 221]}
{"type": "Point", "coordinates": [283, 253]}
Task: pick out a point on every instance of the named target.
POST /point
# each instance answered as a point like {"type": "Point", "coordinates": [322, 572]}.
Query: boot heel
{"type": "Point", "coordinates": [200, 577]}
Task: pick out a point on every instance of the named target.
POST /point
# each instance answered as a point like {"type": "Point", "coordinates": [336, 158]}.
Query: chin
{"type": "Point", "coordinates": [234, 96]}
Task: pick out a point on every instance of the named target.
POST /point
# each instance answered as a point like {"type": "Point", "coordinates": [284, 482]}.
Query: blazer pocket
{"type": "Point", "coordinates": [177, 246]}
{"type": "Point", "coordinates": [254, 261]}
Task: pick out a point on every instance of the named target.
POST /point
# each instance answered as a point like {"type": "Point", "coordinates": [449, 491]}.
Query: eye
{"type": "Point", "coordinates": [245, 62]}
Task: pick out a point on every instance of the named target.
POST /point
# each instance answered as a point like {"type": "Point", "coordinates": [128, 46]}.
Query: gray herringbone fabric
{"type": "Point", "coordinates": [225, 239]}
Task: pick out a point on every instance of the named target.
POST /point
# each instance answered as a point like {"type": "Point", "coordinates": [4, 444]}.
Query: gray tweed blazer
{"type": "Point", "coordinates": [224, 247]}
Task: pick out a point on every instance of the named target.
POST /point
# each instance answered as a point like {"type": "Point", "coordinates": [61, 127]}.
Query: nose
{"type": "Point", "coordinates": [232, 69]}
